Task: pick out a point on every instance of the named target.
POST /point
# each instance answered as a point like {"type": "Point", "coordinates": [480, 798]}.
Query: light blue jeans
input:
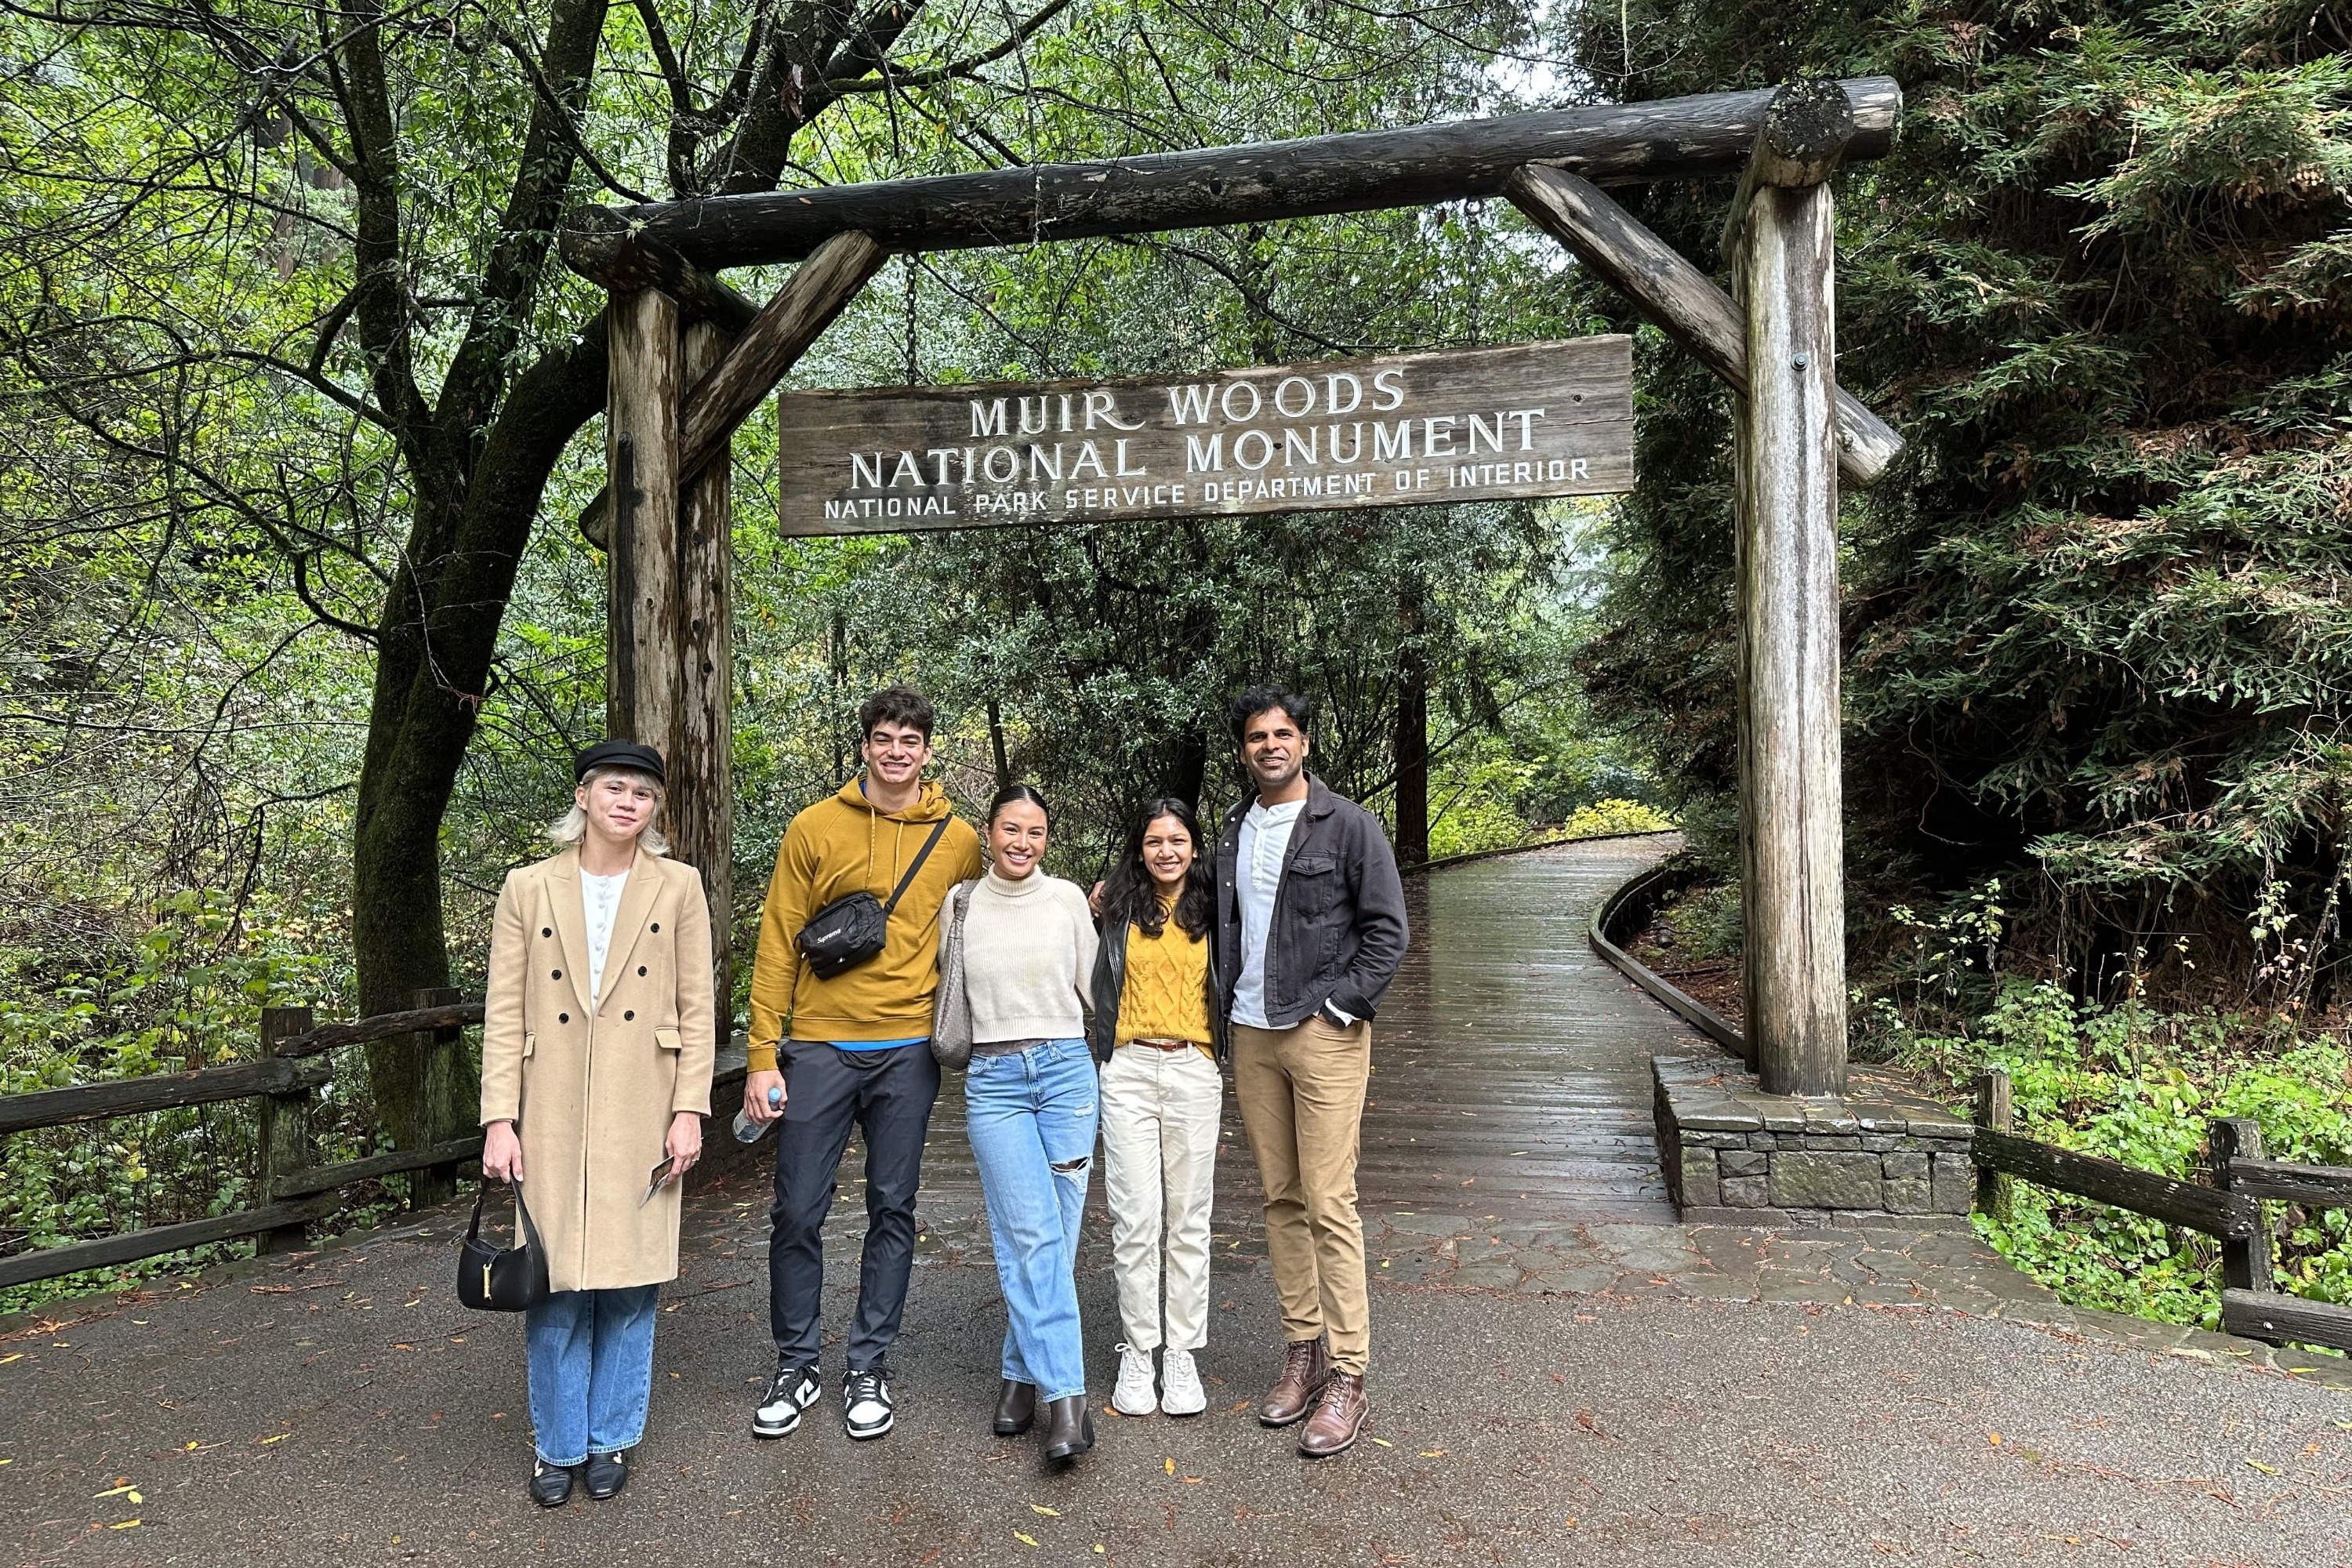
{"type": "Point", "coordinates": [1031, 1119]}
{"type": "Point", "coordinates": [592, 1370]}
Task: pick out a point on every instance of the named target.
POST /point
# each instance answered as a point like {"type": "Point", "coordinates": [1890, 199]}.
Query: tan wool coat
{"type": "Point", "coordinates": [592, 1083]}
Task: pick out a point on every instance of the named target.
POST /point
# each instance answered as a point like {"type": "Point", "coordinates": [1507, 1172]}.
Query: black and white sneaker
{"type": "Point", "coordinates": [793, 1390]}
{"type": "Point", "coordinates": [865, 1404]}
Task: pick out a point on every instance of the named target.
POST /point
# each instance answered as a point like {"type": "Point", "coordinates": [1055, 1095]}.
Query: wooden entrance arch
{"type": "Point", "coordinates": [691, 359]}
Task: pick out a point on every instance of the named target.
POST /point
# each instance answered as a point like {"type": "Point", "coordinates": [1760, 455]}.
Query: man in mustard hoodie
{"type": "Point", "coordinates": [858, 1051]}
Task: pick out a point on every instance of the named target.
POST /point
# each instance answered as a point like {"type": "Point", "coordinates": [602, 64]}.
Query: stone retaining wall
{"type": "Point", "coordinates": [1734, 1154]}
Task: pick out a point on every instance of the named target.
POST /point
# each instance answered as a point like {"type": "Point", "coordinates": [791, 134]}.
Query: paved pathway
{"type": "Point", "coordinates": [1555, 1382]}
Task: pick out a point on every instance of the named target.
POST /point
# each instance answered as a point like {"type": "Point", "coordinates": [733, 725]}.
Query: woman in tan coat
{"type": "Point", "coordinates": [596, 1054]}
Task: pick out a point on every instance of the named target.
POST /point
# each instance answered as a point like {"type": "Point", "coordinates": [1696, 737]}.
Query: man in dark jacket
{"type": "Point", "coordinates": [1310, 929]}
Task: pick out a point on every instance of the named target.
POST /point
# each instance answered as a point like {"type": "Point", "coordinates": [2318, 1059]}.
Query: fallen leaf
{"type": "Point", "coordinates": [280, 1438]}
{"type": "Point", "coordinates": [1571, 1521]}
{"type": "Point", "coordinates": [4, 1360]}
{"type": "Point", "coordinates": [1384, 1443]}
{"type": "Point", "coordinates": [1025, 1539]}
{"type": "Point", "coordinates": [1171, 1465]}
{"type": "Point", "coordinates": [2259, 1465]}
{"type": "Point", "coordinates": [1432, 1452]}
{"type": "Point", "coordinates": [1048, 1512]}
{"type": "Point", "coordinates": [1994, 1438]}
{"type": "Point", "coordinates": [126, 1524]}
{"type": "Point", "coordinates": [1192, 1481]}
{"type": "Point", "coordinates": [113, 1491]}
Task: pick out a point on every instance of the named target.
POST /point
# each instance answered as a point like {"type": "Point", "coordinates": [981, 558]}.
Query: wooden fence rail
{"type": "Point", "coordinates": [294, 1191]}
{"type": "Point", "coordinates": [2228, 1210]}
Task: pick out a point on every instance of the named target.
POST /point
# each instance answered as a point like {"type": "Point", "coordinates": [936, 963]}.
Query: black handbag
{"type": "Point", "coordinates": [494, 1278]}
{"type": "Point", "coordinates": [851, 930]}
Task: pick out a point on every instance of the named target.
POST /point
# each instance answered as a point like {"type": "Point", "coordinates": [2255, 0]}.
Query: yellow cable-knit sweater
{"type": "Point", "coordinates": [1165, 997]}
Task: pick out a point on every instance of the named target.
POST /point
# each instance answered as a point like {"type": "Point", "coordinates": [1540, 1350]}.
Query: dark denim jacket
{"type": "Point", "coordinates": [1338, 930]}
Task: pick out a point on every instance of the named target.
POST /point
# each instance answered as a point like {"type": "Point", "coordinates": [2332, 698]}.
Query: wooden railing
{"type": "Point", "coordinates": [294, 1191]}
{"type": "Point", "coordinates": [1621, 917]}
{"type": "Point", "coordinates": [2229, 1210]}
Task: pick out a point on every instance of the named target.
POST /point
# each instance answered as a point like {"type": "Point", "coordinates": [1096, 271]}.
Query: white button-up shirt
{"type": "Point", "coordinates": [1257, 868]}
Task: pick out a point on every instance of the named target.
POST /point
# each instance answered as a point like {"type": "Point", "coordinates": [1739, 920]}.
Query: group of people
{"type": "Point", "coordinates": [1075, 1015]}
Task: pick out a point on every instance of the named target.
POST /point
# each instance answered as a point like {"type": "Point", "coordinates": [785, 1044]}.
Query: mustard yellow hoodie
{"type": "Point", "coordinates": [831, 850]}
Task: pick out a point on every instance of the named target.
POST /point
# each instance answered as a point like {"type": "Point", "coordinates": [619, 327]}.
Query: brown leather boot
{"type": "Point", "coordinates": [1339, 1419]}
{"type": "Point", "coordinates": [1016, 1408]}
{"type": "Point", "coordinates": [1304, 1368]}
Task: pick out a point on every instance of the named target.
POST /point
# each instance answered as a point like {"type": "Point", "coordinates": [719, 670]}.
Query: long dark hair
{"type": "Point", "coordinates": [1132, 898]}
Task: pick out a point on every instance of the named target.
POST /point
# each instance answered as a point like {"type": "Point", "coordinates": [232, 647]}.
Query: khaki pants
{"type": "Point", "coordinates": [1302, 1096]}
{"type": "Point", "coordinates": [1160, 1157]}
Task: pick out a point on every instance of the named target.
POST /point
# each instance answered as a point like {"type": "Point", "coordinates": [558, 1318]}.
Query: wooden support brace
{"type": "Point", "coordinates": [1678, 296]}
{"type": "Point", "coordinates": [769, 345]}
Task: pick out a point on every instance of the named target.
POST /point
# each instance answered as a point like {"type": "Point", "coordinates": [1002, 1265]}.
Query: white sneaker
{"type": "Point", "coordinates": [1180, 1393]}
{"type": "Point", "coordinates": [1133, 1396]}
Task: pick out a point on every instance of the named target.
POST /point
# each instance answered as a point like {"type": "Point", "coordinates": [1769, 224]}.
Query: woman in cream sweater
{"type": "Point", "coordinates": [1029, 1098]}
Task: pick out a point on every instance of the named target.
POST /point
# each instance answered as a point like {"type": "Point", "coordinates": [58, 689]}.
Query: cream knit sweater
{"type": "Point", "coordinates": [1028, 958]}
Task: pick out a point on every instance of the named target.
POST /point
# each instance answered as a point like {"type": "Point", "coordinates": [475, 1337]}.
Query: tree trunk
{"type": "Point", "coordinates": [1411, 733]}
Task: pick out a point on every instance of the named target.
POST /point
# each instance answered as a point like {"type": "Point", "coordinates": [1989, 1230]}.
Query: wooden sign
{"type": "Point", "coordinates": [1466, 425]}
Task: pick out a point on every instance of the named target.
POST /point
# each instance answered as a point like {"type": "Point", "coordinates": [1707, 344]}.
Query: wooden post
{"type": "Point", "coordinates": [451, 1099]}
{"type": "Point", "coordinates": [640, 430]}
{"type": "Point", "coordinates": [285, 1127]}
{"type": "Point", "coordinates": [2246, 1260]}
{"type": "Point", "coordinates": [1993, 1113]}
{"type": "Point", "coordinates": [1786, 460]}
{"type": "Point", "coordinates": [701, 754]}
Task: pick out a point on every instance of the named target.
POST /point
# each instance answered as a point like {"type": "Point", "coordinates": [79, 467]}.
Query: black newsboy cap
{"type": "Point", "coordinates": [618, 754]}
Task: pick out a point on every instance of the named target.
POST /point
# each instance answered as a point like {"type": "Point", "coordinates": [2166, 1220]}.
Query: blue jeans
{"type": "Point", "coordinates": [592, 1370]}
{"type": "Point", "coordinates": [1032, 1122]}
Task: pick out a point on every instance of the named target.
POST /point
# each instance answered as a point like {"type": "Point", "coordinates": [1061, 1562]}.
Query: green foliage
{"type": "Point", "coordinates": [183, 993]}
{"type": "Point", "coordinates": [2142, 1086]}
{"type": "Point", "coordinates": [2098, 643]}
{"type": "Point", "coordinates": [1615, 815]}
{"type": "Point", "coordinates": [1705, 920]}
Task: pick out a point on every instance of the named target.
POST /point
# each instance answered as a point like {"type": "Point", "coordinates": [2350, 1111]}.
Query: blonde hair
{"type": "Point", "coordinates": [572, 826]}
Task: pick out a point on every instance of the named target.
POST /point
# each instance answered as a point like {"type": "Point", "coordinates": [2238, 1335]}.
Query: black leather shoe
{"type": "Point", "coordinates": [1016, 1408]}
{"type": "Point", "coordinates": [1069, 1427]}
{"type": "Point", "coordinates": [607, 1474]}
{"type": "Point", "coordinates": [550, 1485]}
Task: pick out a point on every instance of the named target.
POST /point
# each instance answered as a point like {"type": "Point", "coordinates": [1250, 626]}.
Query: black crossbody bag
{"type": "Point", "coordinates": [851, 930]}
{"type": "Point", "coordinates": [494, 1278]}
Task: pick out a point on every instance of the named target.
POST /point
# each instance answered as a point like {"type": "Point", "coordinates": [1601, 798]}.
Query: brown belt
{"type": "Point", "coordinates": [1166, 1044]}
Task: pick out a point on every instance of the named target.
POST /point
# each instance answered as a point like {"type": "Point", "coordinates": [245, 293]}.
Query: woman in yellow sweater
{"type": "Point", "coordinates": [1158, 1031]}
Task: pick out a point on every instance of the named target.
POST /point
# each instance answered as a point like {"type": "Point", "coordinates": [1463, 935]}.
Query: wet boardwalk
{"type": "Point", "coordinates": [1510, 1066]}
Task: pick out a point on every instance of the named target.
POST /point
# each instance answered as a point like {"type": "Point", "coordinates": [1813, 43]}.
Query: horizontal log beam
{"type": "Point", "coordinates": [2268, 1315]}
{"type": "Point", "coordinates": [1678, 296]}
{"type": "Point", "coordinates": [48, 1263]}
{"type": "Point", "coordinates": [161, 1091]}
{"type": "Point", "coordinates": [383, 1026]}
{"type": "Point", "coordinates": [2314, 1186]}
{"type": "Point", "coordinates": [2184, 1204]}
{"type": "Point", "coordinates": [1712, 134]}
{"type": "Point", "coordinates": [327, 1178]}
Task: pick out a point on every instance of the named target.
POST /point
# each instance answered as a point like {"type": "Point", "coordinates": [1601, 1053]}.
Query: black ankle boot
{"type": "Point", "coordinates": [1016, 1408]}
{"type": "Point", "coordinates": [1069, 1427]}
{"type": "Point", "coordinates": [550, 1485]}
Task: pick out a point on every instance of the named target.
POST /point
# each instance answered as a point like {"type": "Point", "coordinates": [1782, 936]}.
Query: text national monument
{"type": "Point", "coordinates": [1470, 425]}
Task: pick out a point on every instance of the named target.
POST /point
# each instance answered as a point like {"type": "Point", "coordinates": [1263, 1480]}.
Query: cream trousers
{"type": "Point", "coordinates": [1160, 1157]}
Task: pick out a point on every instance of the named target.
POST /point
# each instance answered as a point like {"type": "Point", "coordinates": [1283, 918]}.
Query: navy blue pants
{"type": "Point", "coordinates": [887, 1095]}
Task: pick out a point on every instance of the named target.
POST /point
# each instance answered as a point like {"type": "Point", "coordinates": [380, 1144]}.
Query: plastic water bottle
{"type": "Point", "coordinates": [748, 1130]}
